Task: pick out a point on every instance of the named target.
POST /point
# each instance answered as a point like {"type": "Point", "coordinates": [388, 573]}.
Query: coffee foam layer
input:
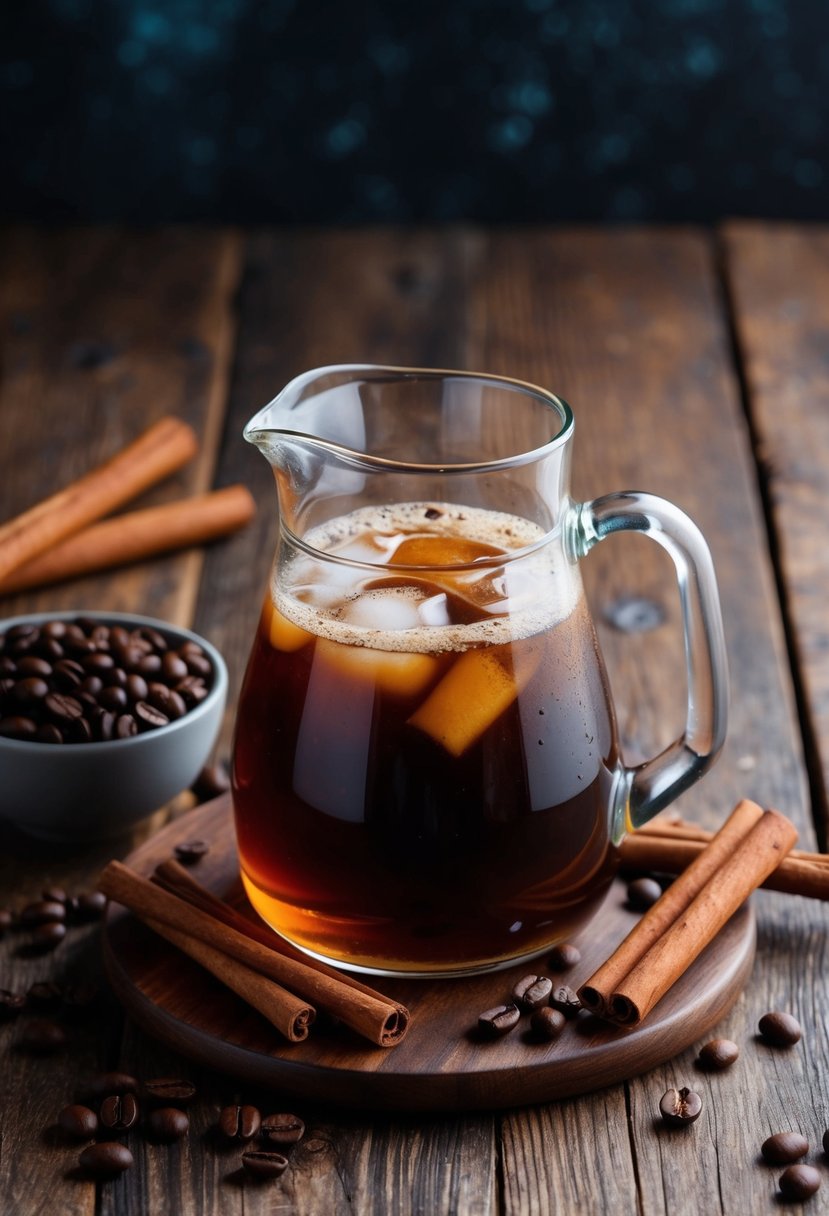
{"type": "Point", "coordinates": [541, 587]}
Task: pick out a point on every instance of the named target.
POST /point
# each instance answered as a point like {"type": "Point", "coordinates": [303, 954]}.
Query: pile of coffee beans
{"type": "Point", "coordinates": [42, 925]}
{"type": "Point", "coordinates": [115, 1105]}
{"type": "Point", "coordinates": [81, 681]}
{"type": "Point", "coordinates": [550, 1006]}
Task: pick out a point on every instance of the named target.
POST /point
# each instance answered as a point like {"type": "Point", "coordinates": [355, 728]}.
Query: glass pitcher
{"type": "Point", "coordinates": [426, 774]}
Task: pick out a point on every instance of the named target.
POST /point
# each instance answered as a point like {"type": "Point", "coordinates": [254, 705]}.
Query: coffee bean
{"type": "Point", "coordinates": [30, 690]}
{"type": "Point", "coordinates": [643, 893]}
{"type": "Point", "coordinates": [532, 991]}
{"type": "Point", "coordinates": [239, 1122]}
{"type": "Point", "coordinates": [136, 688]}
{"type": "Point", "coordinates": [498, 1021]}
{"type": "Point", "coordinates": [548, 1023]}
{"type": "Point", "coordinates": [6, 920]}
{"type": "Point", "coordinates": [106, 1160]}
{"type": "Point", "coordinates": [679, 1107]}
{"type": "Point", "coordinates": [90, 905]}
{"type": "Point", "coordinates": [191, 851]}
{"type": "Point", "coordinates": [54, 895]}
{"type": "Point", "coordinates": [718, 1054]}
{"type": "Point", "coordinates": [170, 1089]}
{"type": "Point", "coordinates": [114, 699]}
{"type": "Point", "coordinates": [125, 726]}
{"type": "Point", "coordinates": [46, 937]}
{"type": "Point", "coordinates": [42, 912]}
{"type": "Point", "coordinates": [62, 707]}
{"type": "Point", "coordinates": [41, 1037]}
{"type": "Point", "coordinates": [173, 667]}
{"type": "Point", "coordinates": [784, 1147]}
{"type": "Point", "coordinates": [44, 995]}
{"type": "Point", "coordinates": [261, 1164]}
{"type": "Point", "coordinates": [148, 717]}
{"type": "Point", "coordinates": [780, 1029]}
{"type": "Point", "coordinates": [31, 665]}
{"type": "Point", "coordinates": [119, 1112]}
{"type": "Point", "coordinates": [17, 727]}
{"type": "Point", "coordinates": [282, 1129]}
{"type": "Point", "coordinates": [565, 1001]}
{"type": "Point", "coordinates": [168, 1123]}
{"type": "Point", "coordinates": [799, 1182]}
{"type": "Point", "coordinates": [564, 957]}
{"type": "Point", "coordinates": [78, 1121]}
{"type": "Point", "coordinates": [107, 1083]}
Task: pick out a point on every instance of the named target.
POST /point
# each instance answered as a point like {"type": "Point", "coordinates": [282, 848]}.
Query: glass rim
{"type": "Point", "coordinates": [253, 433]}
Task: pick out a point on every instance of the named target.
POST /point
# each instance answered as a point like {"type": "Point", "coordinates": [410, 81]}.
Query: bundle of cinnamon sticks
{"type": "Point", "coordinates": [272, 977]}
{"type": "Point", "coordinates": [61, 537]}
{"type": "Point", "coordinates": [752, 846]}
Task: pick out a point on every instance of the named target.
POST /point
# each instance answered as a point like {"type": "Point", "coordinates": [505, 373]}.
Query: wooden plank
{"type": "Point", "coordinates": [778, 276]}
{"type": "Point", "coordinates": [628, 327]}
{"type": "Point", "coordinates": [103, 333]}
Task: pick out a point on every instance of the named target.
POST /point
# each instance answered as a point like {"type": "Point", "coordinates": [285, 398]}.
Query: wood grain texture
{"type": "Point", "coordinates": [779, 281]}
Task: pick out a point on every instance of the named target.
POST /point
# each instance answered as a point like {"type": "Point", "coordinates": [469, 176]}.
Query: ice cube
{"type": "Point", "coordinates": [386, 608]}
{"type": "Point", "coordinates": [284, 634]}
{"type": "Point", "coordinates": [394, 671]}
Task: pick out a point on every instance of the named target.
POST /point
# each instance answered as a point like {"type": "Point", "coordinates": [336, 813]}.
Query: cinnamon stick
{"type": "Point", "coordinates": [175, 878]}
{"type": "Point", "coordinates": [595, 993]}
{"type": "Point", "coordinates": [760, 851]}
{"type": "Point", "coordinates": [291, 1016]}
{"type": "Point", "coordinates": [799, 874]}
{"type": "Point", "coordinates": [161, 449]}
{"type": "Point", "coordinates": [372, 1016]}
{"type": "Point", "coordinates": [681, 829]}
{"type": "Point", "coordinates": [137, 535]}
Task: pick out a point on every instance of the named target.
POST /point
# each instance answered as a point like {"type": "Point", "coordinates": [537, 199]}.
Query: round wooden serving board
{"type": "Point", "coordinates": [441, 1064]}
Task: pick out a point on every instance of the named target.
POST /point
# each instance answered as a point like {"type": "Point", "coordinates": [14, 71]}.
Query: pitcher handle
{"type": "Point", "coordinates": [649, 787]}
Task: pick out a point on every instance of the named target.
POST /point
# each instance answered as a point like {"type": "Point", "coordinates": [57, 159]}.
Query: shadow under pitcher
{"type": "Point", "coordinates": [426, 774]}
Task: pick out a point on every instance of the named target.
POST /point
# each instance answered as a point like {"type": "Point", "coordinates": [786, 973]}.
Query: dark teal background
{"type": "Point", "coordinates": [495, 110]}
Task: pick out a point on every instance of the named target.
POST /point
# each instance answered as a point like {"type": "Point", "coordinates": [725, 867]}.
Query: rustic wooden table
{"type": "Point", "coordinates": [696, 364]}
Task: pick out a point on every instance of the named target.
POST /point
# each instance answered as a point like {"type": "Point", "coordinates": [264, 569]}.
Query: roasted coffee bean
{"type": "Point", "coordinates": [78, 1121]}
{"type": "Point", "coordinates": [11, 1003]}
{"type": "Point", "coordinates": [44, 995]}
{"type": "Point", "coordinates": [168, 1123]}
{"type": "Point", "coordinates": [643, 893]}
{"type": "Point", "coordinates": [718, 1054]}
{"type": "Point", "coordinates": [6, 920]}
{"type": "Point", "coordinates": [41, 1037]}
{"type": "Point", "coordinates": [565, 1001]}
{"type": "Point", "coordinates": [548, 1023]}
{"type": "Point", "coordinates": [212, 781]}
{"type": "Point", "coordinates": [90, 905]}
{"type": "Point", "coordinates": [54, 895]}
{"type": "Point", "coordinates": [119, 1112]}
{"type": "Point", "coordinates": [46, 937]}
{"type": "Point", "coordinates": [532, 991]}
{"type": "Point", "coordinates": [106, 1160]}
{"type": "Point", "coordinates": [107, 1083]}
{"type": "Point", "coordinates": [261, 1164]}
{"type": "Point", "coordinates": [191, 851]}
{"type": "Point", "coordinates": [54, 686]}
{"type": "Point", "coordinates": [239, 1122]}
{"type": "Point", "coordinates": [282, 1129]}
{"type": "Point", "coordinates": [780, 1029]}
{"type": "Point", "coordinates": [564, 957]}
{"type": "Point", "coordinates": [679, 1107]}
{"type": "Point", "coordinates": [799, 1182]}
{"type": "Point", "coordinates": [498, 1021]}
{"type": "Point", "coordinates": [784, 1147]}
{"type": "Point", "coordinates": [170, 1090]}
{"type": "Point", "coordinates": [41, 912]}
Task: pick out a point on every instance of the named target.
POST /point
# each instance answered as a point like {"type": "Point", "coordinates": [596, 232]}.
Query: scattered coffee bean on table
{"type": "Point", "coordinates": [282, 1129]}
{"type": "Point", "coordinates": [168, 1123]}
{"type": "Point", "coordinates": [548, 1023]}
{"type": "Point", "coordinates": [106, 1160]}
{"type": "Point", "coordinates": [498, 1021]}
{"type": "Point", "coordinates": [239, 1122]}
{"type": "Point", "coordinates": [799, 1182]}
{"type": "Point", "coordinates": [89, 906]}
{"type": "Point", "coordinates": [718, 1054]}
{"type": "Point", "coordinates": [643, 893]}
{"type": "Point", "coordinates": [532, 991]}
{"type": "Point", "coordinates": [191, 851]}
{"type": "Point", "coordinates": [119, 1112]}
{"type": "Point", "coordinates": [44, 938]}
{"type": "Point", "coordinates": [42, 912]}
{"type": "Point", "coordinates": [784, 1147]}
{"type": "Point", "coordinates": [11, 1003]}
{"type": "Point", "coordinates": [780, 1029]}
{"type": "Point", "coordinates": [260, 1164]}
{"type": "Point", "coordinates": [680, 1107]}
{"type": "Point", "coordinates": [78, 1121]}
{"type": "Point", "coordinates": [169, 1090]}
{"type": "Point", "coordinates": [564, 957]}
{"type": "Point", "coordinates": [566, 1001]}
{"type": "Point", "coordinates": [81, 681]}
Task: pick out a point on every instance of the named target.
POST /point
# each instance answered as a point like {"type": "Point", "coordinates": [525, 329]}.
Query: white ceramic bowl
{"type": "Point", "coordinates": [84, 791]}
